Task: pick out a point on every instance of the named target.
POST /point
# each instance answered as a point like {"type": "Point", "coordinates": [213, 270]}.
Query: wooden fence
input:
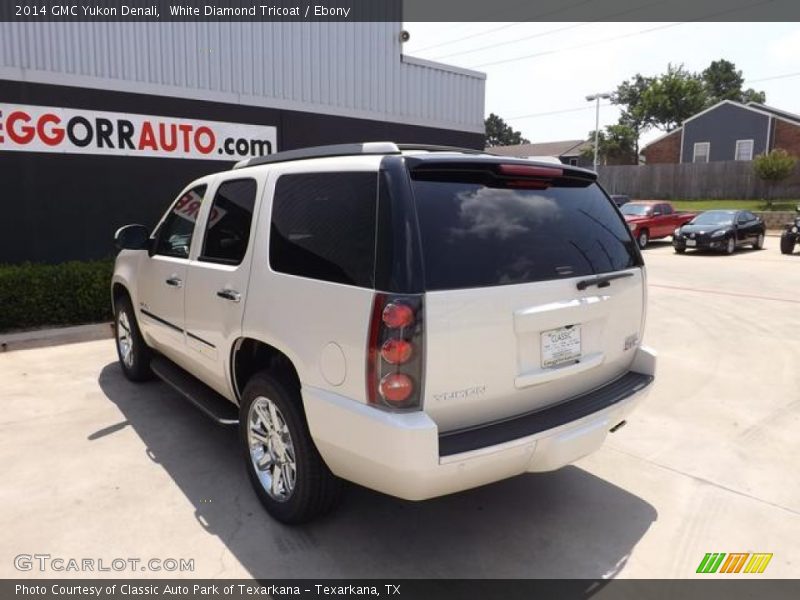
{"type": "Point", "coordinates": [723, 179]}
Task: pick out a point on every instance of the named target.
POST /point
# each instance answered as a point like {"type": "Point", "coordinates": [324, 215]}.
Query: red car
{"type": "Point", "coordinates": [653, 219]}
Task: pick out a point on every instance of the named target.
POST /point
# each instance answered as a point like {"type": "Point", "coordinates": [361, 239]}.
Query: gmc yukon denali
{"type": "Point", "coordinates": [415, 319]}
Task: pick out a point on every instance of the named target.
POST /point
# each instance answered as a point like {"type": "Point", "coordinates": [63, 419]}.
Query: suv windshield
{"type": "Point", "coordinates": [636, 210]}
{"type": "Point", "coordinates": [474, 235]}
{"type": "Point", "coordinates": [713, 217]}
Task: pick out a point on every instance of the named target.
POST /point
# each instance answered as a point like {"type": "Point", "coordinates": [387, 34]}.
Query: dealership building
{"type": "Point", "coordinates": [103, 123]}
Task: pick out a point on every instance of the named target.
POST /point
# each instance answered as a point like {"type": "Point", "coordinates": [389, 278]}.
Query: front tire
{"type": "Point", "coordinates": [680, 250]}
{"type": "Point", "coordinates": [642, 239]}
{"type": "Point", "coordinates": [759, 243]}
{"type": "Point", "coordinates": [134, 354]}
{"type": "Point", "coordinates": [730, 245]}
{"type": "Point", "coordinates": [787, 243]}
{"type": "Point", "coordinates": [287, 472]}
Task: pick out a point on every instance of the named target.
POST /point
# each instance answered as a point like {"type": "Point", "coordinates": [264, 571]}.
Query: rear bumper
{"type": "Point", "coordinates": [403, 454]}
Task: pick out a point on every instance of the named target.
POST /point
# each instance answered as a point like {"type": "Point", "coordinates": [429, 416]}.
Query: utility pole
{"type": "Point", "coordinates": [597, 98]}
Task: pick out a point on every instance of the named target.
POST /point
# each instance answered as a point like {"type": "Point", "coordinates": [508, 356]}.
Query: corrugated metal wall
{"type": "Point", "coordinates": [349, 69]}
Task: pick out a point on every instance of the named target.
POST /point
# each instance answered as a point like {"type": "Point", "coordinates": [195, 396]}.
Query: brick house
{"type": "Point", "coordinates": [727, 131]}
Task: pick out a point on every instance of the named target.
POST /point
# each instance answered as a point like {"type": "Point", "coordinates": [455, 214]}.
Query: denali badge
{"type": "Point", "coordinates": [478, 390]}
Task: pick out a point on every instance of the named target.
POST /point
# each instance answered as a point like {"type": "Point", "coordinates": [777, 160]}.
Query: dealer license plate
{"type": "Point", "coordinates": [561, 345]}
{"type": "Point", "coordinates": [691, 243]}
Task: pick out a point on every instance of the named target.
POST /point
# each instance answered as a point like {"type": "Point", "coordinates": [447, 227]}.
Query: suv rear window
{"type": "Point", "coordinates": [474, 235]}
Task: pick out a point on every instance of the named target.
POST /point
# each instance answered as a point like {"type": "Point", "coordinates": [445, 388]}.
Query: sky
{"type": "Point", "coordinates": [572, 60]}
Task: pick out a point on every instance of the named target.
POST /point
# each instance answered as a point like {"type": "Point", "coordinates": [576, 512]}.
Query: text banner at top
{"type": "Point", "coordinates": [400, 10]}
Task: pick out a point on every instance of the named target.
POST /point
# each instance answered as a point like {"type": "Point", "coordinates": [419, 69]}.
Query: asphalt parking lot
{"type": "Point", "coordinates": [97, 467]}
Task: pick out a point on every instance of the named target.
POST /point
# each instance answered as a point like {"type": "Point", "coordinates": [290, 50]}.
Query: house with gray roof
{"type": "Point", "coordinates": [567, 151]}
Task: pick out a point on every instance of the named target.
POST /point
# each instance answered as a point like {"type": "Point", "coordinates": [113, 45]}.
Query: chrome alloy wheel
{"type": "Point", "coordinates": [271, 449]}
{"type": "Point", "coordinates": [125, 339]}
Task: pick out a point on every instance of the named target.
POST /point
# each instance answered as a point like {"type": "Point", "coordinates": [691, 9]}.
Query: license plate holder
{"type": "Point", "coordinates": [691, 243]}
{"type": "Point", "coordinates": [560, 346]}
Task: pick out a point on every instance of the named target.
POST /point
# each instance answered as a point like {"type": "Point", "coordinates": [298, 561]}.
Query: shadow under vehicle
{"type": "Point", "coordinates": [563, 524]}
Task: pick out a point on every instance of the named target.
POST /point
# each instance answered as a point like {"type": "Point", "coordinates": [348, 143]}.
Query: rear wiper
{"type": "Point", "coordinates": [601, 281]}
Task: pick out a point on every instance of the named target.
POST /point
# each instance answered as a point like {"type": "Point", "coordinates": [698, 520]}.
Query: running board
{"type": "Point", "coordinates": [213, 404]}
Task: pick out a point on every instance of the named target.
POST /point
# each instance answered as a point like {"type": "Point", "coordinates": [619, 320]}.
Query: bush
{"type": "Point", "coordinates": [772, 168]}
{"type": "Point", "coordinates": [35, 295]}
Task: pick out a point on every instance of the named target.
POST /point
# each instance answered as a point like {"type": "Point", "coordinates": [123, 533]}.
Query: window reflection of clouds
{"type": "Point", "coordinates": [503, 213]}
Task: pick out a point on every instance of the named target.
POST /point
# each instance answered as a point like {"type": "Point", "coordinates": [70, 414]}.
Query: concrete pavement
{"type": "Point", "coordinates": [98, 467]}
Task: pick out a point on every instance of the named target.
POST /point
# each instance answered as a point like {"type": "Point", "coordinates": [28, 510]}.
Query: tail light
{"type": "Point", "coordinates": [395, 352]}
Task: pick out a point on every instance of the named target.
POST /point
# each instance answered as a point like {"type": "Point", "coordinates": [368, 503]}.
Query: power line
{"type": "Point", "coordinates": [549, 31]}
{"type": "Point", "coordinates": [507, 25]}
{"type": "Point", "coordinates": [529, 37]}
{"type": "Point", "coordinates": [618, 37]}
{"type": "Point", "coordinates": [585, 45]}
{"type": "Point", "coordinates": [556, 112]}
{"type": "Point", "coordinates": [784, 76]}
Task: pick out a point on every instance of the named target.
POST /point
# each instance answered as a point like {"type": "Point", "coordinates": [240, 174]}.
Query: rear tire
{"type": "Point", "coordinates": [642, 239]}
{"type": "Point", "coordinates": [134, 354]}
{"type": "Point", "coordinates": [287, 472]}
{"type": "Point", "coordinates": [759, 243]}
{"type": "Point", "coordinates": [787, 243]}
{"type": "Point", "coordinates": [680, 250]}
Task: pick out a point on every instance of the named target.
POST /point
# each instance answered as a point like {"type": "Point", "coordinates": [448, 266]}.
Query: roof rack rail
{"type": "Point", "coordinates": [367, 148]}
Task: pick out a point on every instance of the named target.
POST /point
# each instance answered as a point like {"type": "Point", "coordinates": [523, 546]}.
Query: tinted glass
{"type": "Point", "coordinates": [228, 227]}
{"type": "Point", "coordinates": [666, 209]}
{"type": "Point", "coordinates": [174, 237]}
{"type": "Point", "coordinates": [476, 236]}
{"type": "Point", "coordinates": [636, 210]}
{"type": "Point", "coordinates": [323, 226]}
{"type": "Point", "coordinates": [714, 217]}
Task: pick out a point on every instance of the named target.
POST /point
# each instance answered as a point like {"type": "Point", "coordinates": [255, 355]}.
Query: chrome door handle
{"type": "Point", "coordinates": [174, 282]}
{"type": "Point", "coordinates": [231, 295]}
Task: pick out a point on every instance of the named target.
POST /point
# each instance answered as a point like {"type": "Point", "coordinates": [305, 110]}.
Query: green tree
{"type": "Point", "coordinates": [628, 96]}
{"type": "Point", "coordinates": [616, 145]}
{"type": "Point", "coordinates": [772, 168]}
{"type": "Point", "coordinates": [499, 133]}
{"type": "Point", "coordinates": [666, 100]}
{"type": "Point", "coordinates": [724, 82]}
{"type": "Point", "coordinates": [673, 97]}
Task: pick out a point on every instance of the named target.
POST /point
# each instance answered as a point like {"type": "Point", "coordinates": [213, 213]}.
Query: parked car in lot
{"type": "Point", "coordinates": [720, 230]}
{"type": "Point", "coordinates": [417, 320]}
{"type": "Point", "coordinates": [620, 199]}
{"type": "Point", "coordinates": [652, 220]}
{"type": "Point", "coordinates": [791, 234]}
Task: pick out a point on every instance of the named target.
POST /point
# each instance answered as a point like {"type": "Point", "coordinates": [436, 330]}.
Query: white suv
{"type": "Point", "coordinates": [418, 320]}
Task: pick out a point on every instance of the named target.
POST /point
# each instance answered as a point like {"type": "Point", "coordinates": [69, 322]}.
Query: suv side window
{"type": "Point", "coordinates": [323, 226]}
{"type": "Point", "coordinates": [228, 226]}
{"type": "Point", "coordinates": [666, 209]}
{"type": "Point", "coordinates": [174, 237]}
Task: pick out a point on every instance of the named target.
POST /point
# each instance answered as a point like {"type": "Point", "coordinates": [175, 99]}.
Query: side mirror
{"type": "Point", "coordinates": [132, 237]}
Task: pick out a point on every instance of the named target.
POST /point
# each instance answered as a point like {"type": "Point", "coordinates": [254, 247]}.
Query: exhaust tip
{"type": "Point", "coordinates": [618, 426]}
